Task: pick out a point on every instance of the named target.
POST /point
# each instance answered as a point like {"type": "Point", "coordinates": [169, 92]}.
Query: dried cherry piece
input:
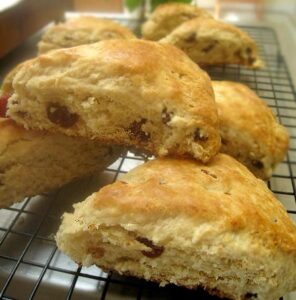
{"type": "Point", "coordinates": [3, 105]}
{"type": "Point", "coordinates": [96, 252]}
{"type": "Point", "coordinates": [257, 164]}
{"type": "Point", "coordinates": [135, 130]}
{"type": "Point", "coordinates": [199, 136]}
{"type": "Point", "coordinates": [190, 38]}
{"type": "Point", "coordinates": [60, 115]}
{"type": "Point", "coordinates": [251, 295]}
{"type": "Point", "coordinates": [209, 47]}
{"type": "Point", "coordinates": [165, 116]}
{"type": "Point", "coordinates": [156, 251]}
{"type": "Point", "coordinates": [208, 173]}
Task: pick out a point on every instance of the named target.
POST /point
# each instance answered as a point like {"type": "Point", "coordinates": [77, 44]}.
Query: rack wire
{"type": "Point", "coordinates": [31, 266]}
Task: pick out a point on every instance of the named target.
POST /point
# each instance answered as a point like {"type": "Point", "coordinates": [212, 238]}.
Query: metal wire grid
{"type": "Point", "coordinates": [31, 267]}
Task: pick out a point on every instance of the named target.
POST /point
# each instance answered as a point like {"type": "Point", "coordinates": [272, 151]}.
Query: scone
{"type": "Point", "coordinates": [214, 226]}
{"type": "Point", "coordinates": [82, 30]}
{"type": "Point", "coordinates": [167, 17]}
{"type": "Point", "coordinates": [211, 42]}
{"type": "Point", "coordinates": [249, 129]}
{"type": "Point", "coordinates": [34, 162]}
{"type": "Point", "coordinates": [124, 92]}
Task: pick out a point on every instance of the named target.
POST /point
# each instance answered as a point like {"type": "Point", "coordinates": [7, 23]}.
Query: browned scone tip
{"type": "Point", "coordinates": [212, 42]}
{"type": "Point", "coordinates": [111, 91]}
{"type": "Point", "coordinates": [182, 222]}
{"type": "Point", "coordinates": [82, 30]}
{"type": "Point", "coordinates": [166, 17]}
{"type": "Point", "coordinates": [249, 130]}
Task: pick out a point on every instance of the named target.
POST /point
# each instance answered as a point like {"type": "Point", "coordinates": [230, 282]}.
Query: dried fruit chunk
{"type": "Point", "coordinates": [191, 37]}
{"type": "Point", "coordinates": [200, 136]}
{"type": "Point", "coordinates": [96, 252]}
{"type": "Point", "coordinates": [257, 164]}
{"type": "Point", "coordinates": [209, 47]}
{"type": "Point", "coordinates": [208, 173]}
{"type": "Point", "coordinates": [165, 116]}
{"type": "Point", "coordinates": [155, 250]}
{"type": "Point", "coordinates": [60, 115]}
{"type": "Point", "coordinates": [3, 105]}
{"type": "Point", "coordinates": [135, 130]}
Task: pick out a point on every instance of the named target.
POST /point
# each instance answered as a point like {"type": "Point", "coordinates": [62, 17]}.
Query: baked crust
{"type": "Point", "coordinates": [167, 17]}
{"type": "Point", "coordinates": [211, 42]}
{"type": "Point", "coordinates": [33, 162]}
{"type": "Point", "coordinates": [82, 30]}
{"type": "Point", "coordinates": [111, 91]}
{"type": "Point", "coordinates": [6, 87]}
{"type": "Point", "coordinates": [178, 221]}
{"type": "Point", "coordinates": [249, 129]}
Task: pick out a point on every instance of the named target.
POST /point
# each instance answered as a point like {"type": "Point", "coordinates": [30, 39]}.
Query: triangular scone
{"type": "Point", "coordinates": [127, 92]}
{"type": "Point", "coordinates": [82, 30]}
{"type": "Point", "coordinates": [176, 221]}
{"type": "Point", "coordinates": [167, 17]}
{"type": "Point", "coordinates": [212, 42]}
{"type": "Point", "coordinates": [34, 162]}
{"type": "Point", "coordinates": [249, 129]}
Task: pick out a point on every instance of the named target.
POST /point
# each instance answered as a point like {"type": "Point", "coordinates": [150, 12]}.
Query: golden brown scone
{"type": "Point", "coordinates": [128, 92]}
{"type": "Point", "coordinates": [211, 42]}
{"type": "Point", "coordinates": [80, 31]}
{"type": "Point", "coordinates": [167, 17]}
{"type": "Point", "coordinates": [33, 162]}
{"type": "Point", "coordinates": [249, 129]}
{"type": "Point", "coordinates": [178, 221]}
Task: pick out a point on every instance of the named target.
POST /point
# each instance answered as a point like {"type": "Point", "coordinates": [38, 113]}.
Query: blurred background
{"type": "Point", "coordinates": [21, 18]}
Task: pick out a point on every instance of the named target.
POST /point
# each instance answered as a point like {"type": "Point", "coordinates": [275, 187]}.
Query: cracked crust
{"type": "Point", "coordinates": [199, 215]}
{"type": "Point", "coordinates": [167, 17]}
{"type": "Point", "coordinates": [249, 130]}
{"type": "Point", "coordinates": [82, 30]}
{"type": "Point", "coordinates": [110, 91]}
{"type": "Point", "coordinates": [211, 42]}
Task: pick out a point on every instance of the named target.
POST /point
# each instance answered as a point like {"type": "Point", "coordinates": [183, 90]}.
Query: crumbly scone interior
{"type": "Point", "coordinates": [160, 129]}
{"type": "Point", "coordinates": [218, 262]}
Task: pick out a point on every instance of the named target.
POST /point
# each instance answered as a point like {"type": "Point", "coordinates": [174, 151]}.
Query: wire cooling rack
{"type": "Point", "coordinates": [31, 267]}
